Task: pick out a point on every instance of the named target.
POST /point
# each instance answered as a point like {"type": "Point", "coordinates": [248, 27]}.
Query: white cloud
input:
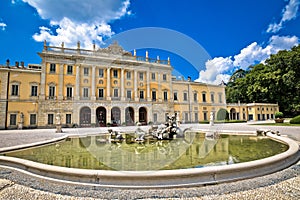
{"type": "Point", "coordinates": [2, 26]}
{"type": "Point", "coordinates": [218, 68]}
{"type": "Point", "coordinates": [288, 13]}
{"type": "Point", "coordinates": [214, 70]}
{"type": "Point", "coordinates": [73, 20]}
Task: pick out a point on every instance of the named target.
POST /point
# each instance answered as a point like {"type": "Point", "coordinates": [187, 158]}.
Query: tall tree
{"type": "Point", "coordinates": [276, 81]}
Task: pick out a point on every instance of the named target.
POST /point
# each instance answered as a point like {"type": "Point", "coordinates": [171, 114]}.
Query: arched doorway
{"type": "Point", "coordinates": [129, 116]}
{"type": "Point", "coordinates": [115, 116]}
{"type": "Point", "coordinates": [232, 114]}
{"type": "Point", "coordinates": [85, 117]}
{"type": "Point", "coordinates": [101, 116]}
{"type": "Point", "coordinates": [143, 116]}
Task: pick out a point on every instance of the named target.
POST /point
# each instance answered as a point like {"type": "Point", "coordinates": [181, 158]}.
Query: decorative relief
{"type": "Point", "coordinates": [114, 48]}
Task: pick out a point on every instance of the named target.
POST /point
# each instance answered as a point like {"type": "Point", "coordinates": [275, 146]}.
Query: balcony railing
{"type": "Point", "coordinates": [70, 51]}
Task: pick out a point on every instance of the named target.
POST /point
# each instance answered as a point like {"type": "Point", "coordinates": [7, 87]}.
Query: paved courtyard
{"type": "Point", "coordinates": [15, 185]}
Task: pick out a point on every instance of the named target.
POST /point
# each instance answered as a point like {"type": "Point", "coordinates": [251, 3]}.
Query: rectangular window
{"type": "Point", "coordinates": [196, 117]}
{"type": "Point", "coordinates": [155, 117]}
{"type": "Point", "coordinates": [15, 90]}
{"type": "Point", "coordinates": [85, 92]}
{"type": "Point", "coordinates": [70, 69]}
{"type": "Point", "coordinates": [101, 73]}
{"type": "Point", "coordinates": [51, 91]}
{"type": "Point", "coordinates": [195, 97]}
{"type": "Point", "coordinates": [52, 68]}
{"type": "Point", "coordinates": [164, 77]}
{"type": "Point", "coordinates": [175, 96]}
{"type": "Point", "coordinates": [115, 73]}
{"type": "Point", "coordinates": [185, 96]}
{"type": "Point", "coordinates": [165, 96]}
{"type": "Point", "coordinates": [128, 95]}
{"type": "Point", "coordinates": [116, 92]}
{"type": "Point", "coordinates": [32, 119]}
{"type": "Point", "coordinates": [153, 76]}
{"type": "Point", "coordinates": [101, 93]}
{"type": "Point", "coordinates": [68, 118]}
{"type": "Point", "coordinates": [85, 71]}
{"type": "Point", "coordinates": [212, 98]}
{"type": "Point", "coordinates": [13, 119]}
{"type": "Point", "coordinates": [141, 94]}
{"type": "Point", "coordinates": [34, 90]}
{"type": "Point", "coordinates": [141, 76]}
{"type": "Point", "coordinates": [69, 92]}
{"type": "Point", "coordinates": [203, 97]}
{"type": "Point", "coordinates": [153, 95]}
{"type": "Point", "coordinates": [50, 119]}
{"type": "Point", "coordinates": [205, 116]}
{"type": "Point", "coordinates": [220, 98]}
{"type": "Point", "coordinates": [128, 75]}
{"type": "Point", "coordinates": [186, 117]}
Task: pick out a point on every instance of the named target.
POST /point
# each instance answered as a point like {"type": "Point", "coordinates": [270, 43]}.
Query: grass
{"type": "Point", "coordinates": [276, 124]}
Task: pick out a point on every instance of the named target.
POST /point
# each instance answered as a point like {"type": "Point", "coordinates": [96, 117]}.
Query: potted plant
{"type": "Point", "coordinates": [279, 117]}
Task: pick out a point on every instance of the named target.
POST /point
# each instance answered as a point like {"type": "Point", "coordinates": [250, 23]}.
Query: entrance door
{"type": "Point", "coordinates": [115, 116]}
{"type": "Point", "coordinates": [143, 116]}
{"type": "Point", "coordinates": [101, 116]}
{"type": "Point", "coordinates": [85, 117]}
{"type": "Point", "coordinates": [129, 116]}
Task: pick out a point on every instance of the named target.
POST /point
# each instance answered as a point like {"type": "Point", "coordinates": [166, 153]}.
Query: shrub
{"type": "Point", "coordinates": [222, 114]}
{"type": "Point", "coordinates": [295, 120]}
{"type": "Point", "coordinates": [278, 115]}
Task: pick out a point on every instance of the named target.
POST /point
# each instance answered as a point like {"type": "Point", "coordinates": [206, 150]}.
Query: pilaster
{"type": "Point", "coordinates": [77, 86]}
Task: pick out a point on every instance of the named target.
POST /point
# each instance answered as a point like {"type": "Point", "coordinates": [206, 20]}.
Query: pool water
{"type": "Point", "coordinates": [96, 152]}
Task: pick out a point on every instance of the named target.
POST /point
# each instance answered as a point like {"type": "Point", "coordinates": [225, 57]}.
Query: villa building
{"type": "Point", "coordinates": [252, 111]}
{"type": "Point", "coordinates": [106, 86]}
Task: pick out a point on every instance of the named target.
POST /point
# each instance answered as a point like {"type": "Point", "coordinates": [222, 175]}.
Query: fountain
{"type": "Point", "coordinates": [124, 157]}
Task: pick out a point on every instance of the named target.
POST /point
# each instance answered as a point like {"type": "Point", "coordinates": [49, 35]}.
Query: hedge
{"type": "Point", "coordinates": [295, 120]}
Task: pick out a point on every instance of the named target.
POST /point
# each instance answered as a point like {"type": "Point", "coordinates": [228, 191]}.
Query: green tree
{"type": "Point", "coordinates": [276, 81]}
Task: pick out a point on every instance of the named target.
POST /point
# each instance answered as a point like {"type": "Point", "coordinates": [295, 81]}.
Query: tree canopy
{"type": "Point", "coordinates": [275, 81]}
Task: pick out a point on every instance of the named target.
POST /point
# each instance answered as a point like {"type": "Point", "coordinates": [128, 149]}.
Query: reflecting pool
{"type": "Point", "coordinates": [196, 150]}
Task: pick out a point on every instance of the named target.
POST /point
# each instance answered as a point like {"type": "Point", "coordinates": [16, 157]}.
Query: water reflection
{"type": "Point", "coordinates": [97, 152]}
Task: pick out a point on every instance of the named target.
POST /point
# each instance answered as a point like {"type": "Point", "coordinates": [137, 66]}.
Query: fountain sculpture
{"type": "Point", "coordinates": [169, 130]}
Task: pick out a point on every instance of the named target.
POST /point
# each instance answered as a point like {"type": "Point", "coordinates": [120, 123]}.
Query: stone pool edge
{"type": "Point", "coordinates": [162, 178]}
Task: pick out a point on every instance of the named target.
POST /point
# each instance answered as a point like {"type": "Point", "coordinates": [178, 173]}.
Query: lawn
{"type": "Point", "coordinates": [276, 124]}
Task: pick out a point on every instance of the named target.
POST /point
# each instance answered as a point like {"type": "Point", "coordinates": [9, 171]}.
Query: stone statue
{"type": "Point", "coordinates": [58, 123]}
{"type": "Point", "coordinates": [211, 118]}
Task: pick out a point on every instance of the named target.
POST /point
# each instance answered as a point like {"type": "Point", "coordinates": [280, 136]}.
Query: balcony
{"type": "Point", "coordinates": [51, 97]}
{"type": "Point", "coordinates": [69, 98]}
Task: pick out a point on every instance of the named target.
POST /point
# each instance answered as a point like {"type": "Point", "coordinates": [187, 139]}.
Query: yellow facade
{"type": "Point", "coordinates": [104, 87]}
{"type": "Point", "coordinates": [252, 111]}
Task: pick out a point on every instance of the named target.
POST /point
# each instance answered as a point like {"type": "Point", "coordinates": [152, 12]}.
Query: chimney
{"type": "Point", "coordinates": [17, 64]}
{"type": "Point", "coordinates": [7, 63]}
{"type": "Point", "coordinates": [22, 64]}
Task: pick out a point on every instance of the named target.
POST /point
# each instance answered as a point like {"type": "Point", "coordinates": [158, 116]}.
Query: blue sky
{"type": "Point", "coordinates": [233, 34]}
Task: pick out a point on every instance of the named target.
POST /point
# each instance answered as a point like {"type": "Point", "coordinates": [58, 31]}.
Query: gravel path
{"type": "Point", "coordinates": [15, 185]}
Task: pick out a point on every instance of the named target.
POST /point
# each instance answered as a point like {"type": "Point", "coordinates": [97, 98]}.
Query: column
{"type": "Point", "coordinates": [159, 94]}
{"type": "Point", "coordinates": [135, 86]}
{"type": "Point", "coordinates": [77, 86]}
{"type": "Point", "coordinates": [43, 81]}
{"type": "Point", "coordinates": [171, 88]}
{"type": "Point", "coordinates": [93, 97]}
{"type": "Point", "coordinates": [108, 84]}
{"type": "Point", "coordinates": [148, 86]}
{"type": "Point", "coordinates": [93, 115]}
{"type": "Point", "coordinates": [122, 86]}
{"type": "Point", "coordinates": [61, 82]}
